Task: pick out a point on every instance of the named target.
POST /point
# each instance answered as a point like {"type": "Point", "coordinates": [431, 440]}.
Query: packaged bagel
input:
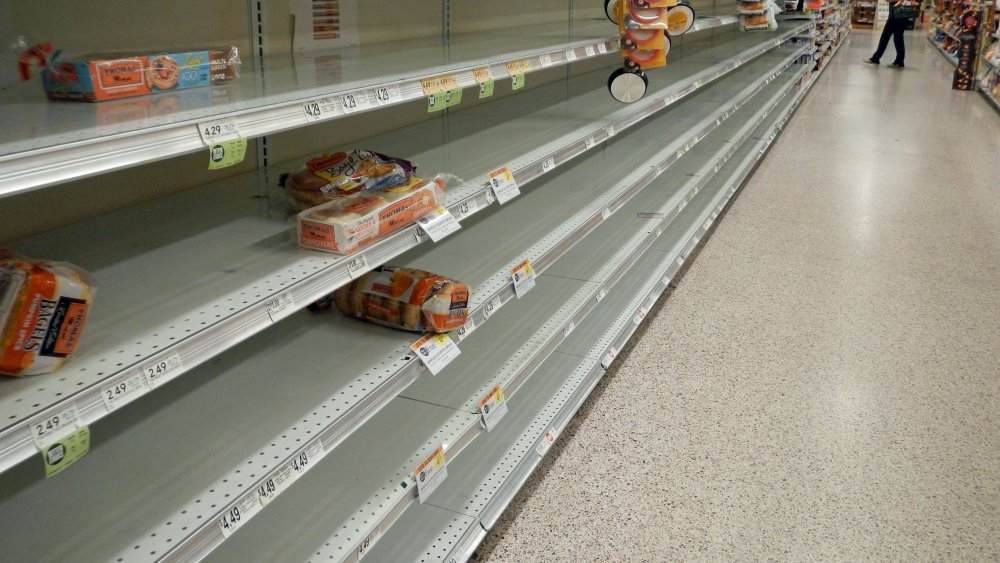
{"type": "Point", "coordinates": [43, 309]}
{"type": "Point", "coordinates": [332, 176]}
{"type": "Point", "coordinates": [345, 225]}
{"type": "Point", "coordinates": [403, 298]}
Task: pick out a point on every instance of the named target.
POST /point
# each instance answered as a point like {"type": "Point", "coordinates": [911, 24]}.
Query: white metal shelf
{"type": "Point", "coordinates": [274, 352]}
{"type": "Point", "coordinates": [214, 276]}
{"type": "Point", "coordinates": [492, 469]}
{"type": "Point", "coordinates": [50, 143]}
{"type": "Point", "coordinates": [622, 238]}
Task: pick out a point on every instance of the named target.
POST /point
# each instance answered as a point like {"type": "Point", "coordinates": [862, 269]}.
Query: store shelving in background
{"type": "Point", "coordinates": [283, 435]}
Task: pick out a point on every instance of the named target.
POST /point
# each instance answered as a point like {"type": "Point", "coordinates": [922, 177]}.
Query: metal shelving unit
{"type": "Point", "coordinates": [290, 344]}
{"type": "Point", "coordinates": [206, 305]}
{"type": "Point", "coordinates": [275, 434]}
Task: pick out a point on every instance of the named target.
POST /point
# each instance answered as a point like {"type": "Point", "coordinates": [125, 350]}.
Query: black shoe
{"type": "Point", "coordinates": [870, 62]}
{"type": "Point", "coordinates": [896, 65]}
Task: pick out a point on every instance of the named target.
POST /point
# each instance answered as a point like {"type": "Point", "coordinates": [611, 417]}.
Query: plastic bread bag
{"type": "Point", "coordinates": [43, 309]}
{"type": "Point", "coordinates": [403, 298]}
{"type": "Point", "coordinates": [332, 176]}
{"type": "Point", "coordinates": [346, 225]}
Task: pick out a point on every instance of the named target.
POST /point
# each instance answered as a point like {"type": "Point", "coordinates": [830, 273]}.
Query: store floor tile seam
{"type": "Point", "coordinates": [824, 381]}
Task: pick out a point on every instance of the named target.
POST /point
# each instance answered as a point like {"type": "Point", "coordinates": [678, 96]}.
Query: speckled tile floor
{"type": "Point", "coordinates": [824, 384]}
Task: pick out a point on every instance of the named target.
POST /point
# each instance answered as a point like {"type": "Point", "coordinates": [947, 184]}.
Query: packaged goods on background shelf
{"type": "Point", "coordinates": [330, 177]}
{"type": "Point", "coordinates": [348, 224]}
{"type": "Point", "coordinates": [96, 77]}
{"type": "Point", "coordinates": [759, 16]}
{"type": "Point", "coordinates": [403, 298]}
{"type": "Point", "coordinates": [644, 29]}
{"type": "Point", "coordinates": [43, 309]}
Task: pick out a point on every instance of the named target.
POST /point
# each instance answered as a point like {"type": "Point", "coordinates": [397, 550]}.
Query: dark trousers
{"type": "Point", "coordinates": [893, 27]}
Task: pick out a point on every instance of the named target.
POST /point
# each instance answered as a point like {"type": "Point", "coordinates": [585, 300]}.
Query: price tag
{"type": "Point", "coordinates": [548, 164]}
{"type": "Point", "coordinates": [468, 328]}
{"type": "Point", "coordinates": [369, 542]}
{"type": "Point", "coordinates": [605, 214]}
{"type": "Point", "coordinates": [357, 266]}
{"type": "Point", "coordinates": [682, 205]}
{"type": "Point", "coordinates": [706, 224]}
{"type": "Point", "coordinates": [503, 183]}
{"type": "Point", "coordinates": [639, 315]}
{"type": "Point", "coordinates": [546, 60]}
{"type": "Point", "coordinates": [438, 224]}
{"type": "Point", "coordinates": [601, 294]}
{"type": "Point", "coordinates": [436, 351]}
{"type": "Point", "coordinates": [610, 130]}
{"type": "Point", "coordinates": [163, 370]}
{"type": "Point", "coordinates": [570, 55]}
{"type": "Point", "coordinates": [355, 101]}
{"type": "Point", "coordinates": [548, 439]}
{"type": "Point", "coordinates": [523, 276]}
{"type": "Point", "coordinates": [491, 306]}
{"type": "Point", "coordinates": [65, 451]}
{"type": "Point", "coordinates": [602, 48]}
{"type": "Point", "coordinates": [493, 407]}
{"type": "Point", "coordinates": [430, 474]}
{"type": "Point", "coordinates": [589, 143]}
{"type": "Point", "coordinates": [589, 50]}
{"type": "Point", "coordinates": [444, 99]}
{"type": "Point", "coordinates": [659, 232]}
{"type": "Point", "coordinates": [468, 208]}
{"type": "Point", "coordinates": [518, 67]}
{"type": "Point", "coordinates": [387, 95]}
{"type": "Point", "coordinates": [697, 83]}
{"type": "Point", "coordinates": [123, 391]}
{"type": "Point", "coordinates": [307, 457]}
{"type": "Point", "coordinates": [48, 429]}
{"type": "Point", "coordinates": [275, 484]}
{"type": "Point", "coordinates": [280, 307]}
{"type": "Point", "coordinates": [666, 280]}
{"type": "Point", "coordinates": [609, 357]}
{"type": "Point", "coordinates": [226, 153]}
{"type": "Point", "coordinates": [238, 514]}
{"type": "Point", "coordinates": [517, 82]}
{"type": "Point", "coordinates": [213, 132]}
{"type": "Point", "coordinates": [680, 261]}
{"type": "Point", "coordinates": [431, 86]}
{"type": "Point", "coordinates": [569, 329]}
{"type": "Point", "coordinates": [319, 109]}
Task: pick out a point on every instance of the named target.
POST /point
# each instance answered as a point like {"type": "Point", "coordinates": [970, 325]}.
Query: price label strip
{"type": "Point", "coordinates": [493, 407]}
{"type": "Point", "coordinates": [545, 60]}
{"type": "Point", "coordinates": [48, 429]}
{"type": "Point", "coordinates": [430, 474]}
{"type": "Point", "coordinates": [504, 185]}
{"type": "Point", "coordinates": [275, 484]}
{"type": "Point", "coordinates": [355, 101]}
{"type": "Point", "coordinates": [523, 276]}
{"type": "Point", "coordinates": [467, 208]}
{"type": "Point", "coordinates": [438, 224]}
{"type": "Point", "coordinates": [280, 307]}
{"type": "Point", "coordinates": [357, 266]}
{"type": "Point", "coordinates": [213, 132]}
{"type": "Point", "coordinates": [436, 351]}
{"type": "Point", "coordinates": [548, 164]}
{"type": "Point", "coordinates": [485, 80]}
{"type": "Point", "coordinates": [589, 49]}
{"type": "Point", "coordinates": [322, 108]}
{"type": "Point", "coordinates": [445, 99]}
{"type": "Point", "coordinates": [468, 328]}
{"type": "Point", "coordinates": [570, 55]}
{"type": "Point", "coordinates": [66, 451]}
{"type": "Point", "coordinates": [519, 67]}
{"type": "Point", "coordinates": [239, 514]}
{"type": "Point", "coordinates": [123, 391]}
{"type": "Point", "coordinates": [492, 306]}
{"type": "Point", "coordinates": [158, 372]}
{"type": "Point", "coordinates": [224, 154]}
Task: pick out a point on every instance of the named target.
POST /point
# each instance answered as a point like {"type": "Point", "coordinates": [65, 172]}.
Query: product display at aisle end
{"type": "Point", "coordinates": [455, 270]}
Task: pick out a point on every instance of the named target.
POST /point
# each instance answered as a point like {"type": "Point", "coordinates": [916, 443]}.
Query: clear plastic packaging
{"type": "Point", "coordinates": [346, 225]}
{"type": "Point", "coordinates": [403, 298]}
{"type": "Point", "coordinates": [43, 309]}
{"type": "Point", "coordinates": [333, 176]}
{"type": "Point", "coordinates": [97, 77]}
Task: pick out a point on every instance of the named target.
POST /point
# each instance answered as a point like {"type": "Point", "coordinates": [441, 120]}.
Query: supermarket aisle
{"type": "Point", "coordinates": [825, 381]}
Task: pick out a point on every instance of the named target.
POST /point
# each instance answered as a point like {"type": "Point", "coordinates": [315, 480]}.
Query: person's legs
{"type": "Point", "coordinates": [883, 41]}
{"type": "Point", "coordinates": [897, 41]}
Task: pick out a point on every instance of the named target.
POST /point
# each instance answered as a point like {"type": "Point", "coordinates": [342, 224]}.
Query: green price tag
{"type": "Point", "coordinates": [446, 99]}
{"type": "Point", "coordinates": [517, 81]}
{"type": "Point", "coordinates": [486, 89]}
{"type": "Point", "coordinates": [226, 153]}
{"type": "Point", "coordinates": [64, 452]}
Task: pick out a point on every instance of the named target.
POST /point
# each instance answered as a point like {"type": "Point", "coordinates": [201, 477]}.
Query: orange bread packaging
{"type": "Point", "coordinates": [345, 225]}
{"type": "Point", "coordinates": [43, 308]}
{"type": "Point", "coordinates": [403, 298]}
